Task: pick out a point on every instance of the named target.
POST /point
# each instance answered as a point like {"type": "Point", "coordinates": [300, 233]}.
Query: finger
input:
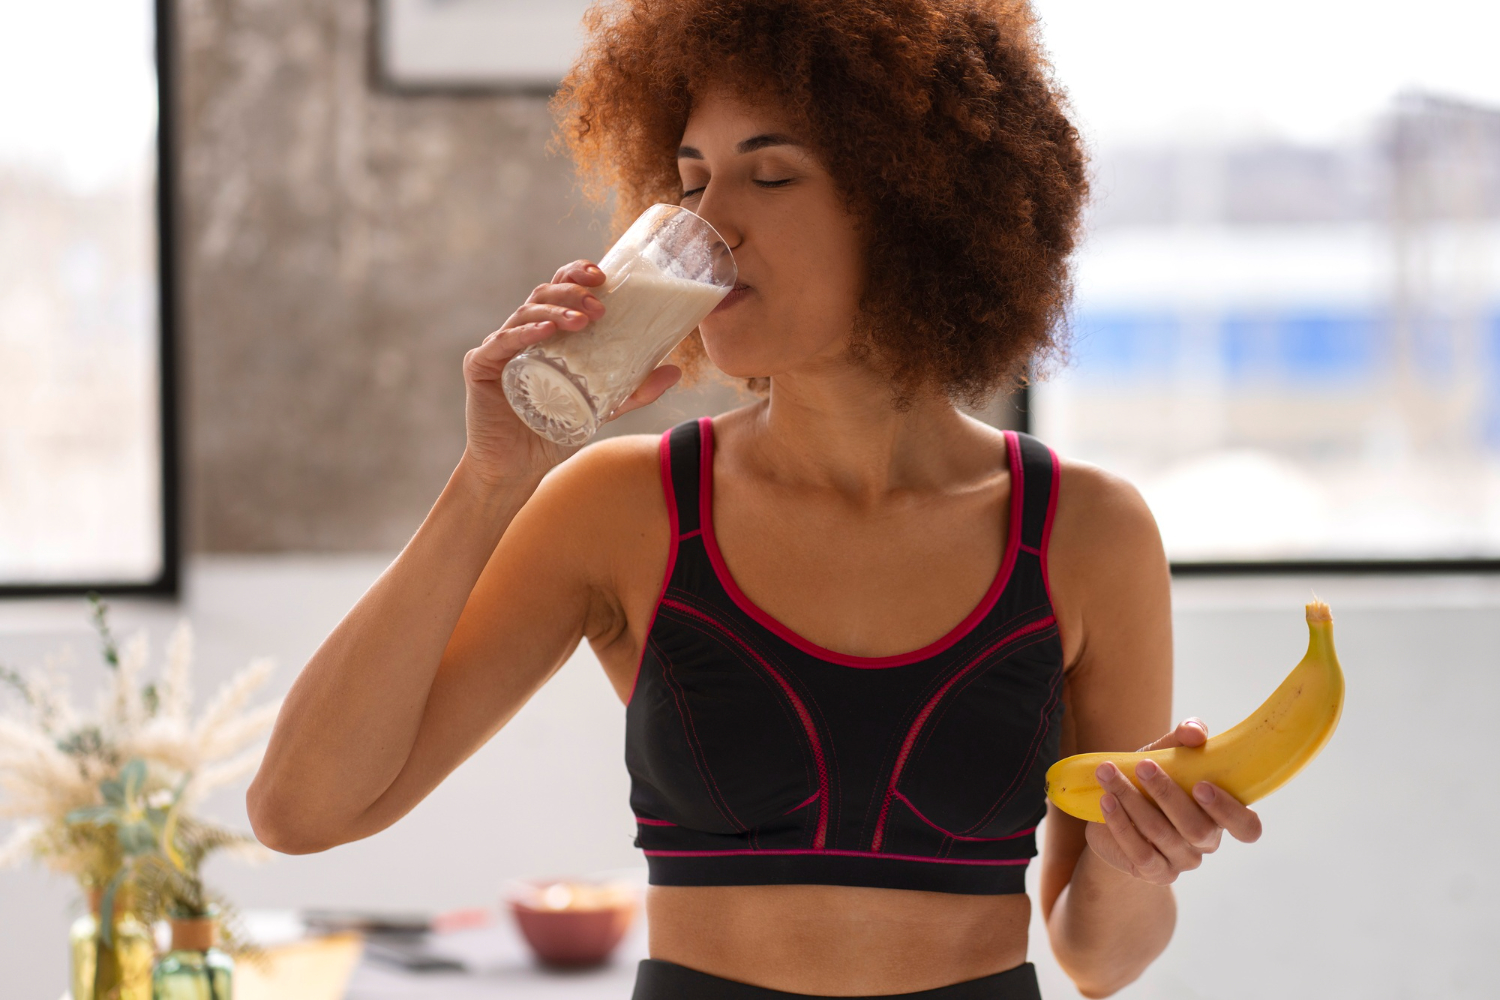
{"type": "Point", "coordinates": [1194, 825]}
{"type": "Point", "coordinates": [1145, 861]}
{"type": "Point", "coordinates": [1240, 820]}
{"type": "Point", "coordinates": [1189, 733]}
{"type": "Point", "coordinates": [582, 272]}
{"type": "Point", "coordinates": [563, 317]}
{"type": "Point", "coordinates": [1149, 832]}
{"type": "Point", "coordinates": [487, 360]}
{"type": "Point", "coordinates": [658, 382]}
{"type": "Point", "coordinates": [1153, 824]}
{"type": "Point", "coordinates": [568, 295]}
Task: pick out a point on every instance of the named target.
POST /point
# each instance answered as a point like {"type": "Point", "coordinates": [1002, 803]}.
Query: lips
{"type": "Point", "coordinates": [738, 292]}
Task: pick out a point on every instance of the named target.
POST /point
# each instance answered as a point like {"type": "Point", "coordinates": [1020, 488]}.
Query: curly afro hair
{"type": "Point", "coordinates": [940, 122]}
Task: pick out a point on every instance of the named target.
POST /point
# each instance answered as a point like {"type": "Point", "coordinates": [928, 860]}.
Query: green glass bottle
{"type": "Point", "coordinates": [120, 970]}
{"type": "Point", "coordinates": [194, 969]}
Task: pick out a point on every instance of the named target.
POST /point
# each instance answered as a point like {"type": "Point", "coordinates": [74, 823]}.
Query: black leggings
{"type": "Point", "coordinates": [658, 980]}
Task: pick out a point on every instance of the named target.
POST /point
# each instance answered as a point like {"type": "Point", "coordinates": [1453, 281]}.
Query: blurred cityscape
{"type": "Point", "coordinates": [1295, 350]}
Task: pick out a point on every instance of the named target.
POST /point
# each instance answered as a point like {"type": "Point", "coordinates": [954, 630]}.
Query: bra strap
{"type": "Point", "coordinates": [682, 448]}
{"type": "Point", "coordinates": [1040, 473]}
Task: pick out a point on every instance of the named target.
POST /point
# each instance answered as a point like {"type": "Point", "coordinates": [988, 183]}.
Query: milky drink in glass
{"type": "Point", "coordinates": [666, 273]}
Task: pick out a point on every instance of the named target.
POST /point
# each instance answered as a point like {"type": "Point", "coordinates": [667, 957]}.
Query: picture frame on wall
{"type": "Point", "coordinates": [477, 45]}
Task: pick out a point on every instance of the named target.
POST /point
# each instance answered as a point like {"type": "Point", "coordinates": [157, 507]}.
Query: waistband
{"type": "Point", "coordinates": [658, 980]}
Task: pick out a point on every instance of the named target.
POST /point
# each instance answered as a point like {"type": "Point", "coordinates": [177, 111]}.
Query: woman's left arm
{"type": "Point", "coordinates": [1105, 887]}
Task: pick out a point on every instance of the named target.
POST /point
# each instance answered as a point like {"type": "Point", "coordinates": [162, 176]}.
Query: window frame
{"type": "Point", "coordinates": [168, 581]}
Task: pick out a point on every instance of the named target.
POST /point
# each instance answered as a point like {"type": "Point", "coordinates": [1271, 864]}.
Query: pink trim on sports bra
{"type": "Point", "coordinates": [671, 498]}
{"type": "Point", "coordinates": [820, 837]}
{"type": "Point", "coordinates": [922, 716]}
{"type": "Point", "coordinates": [1047, 524]}
{"type": "Point", "coordinates": [958, 836]}
{"type": "Point", "coordinates": [837, 853]}
{"type": "Point", "coordinates": [721, 569]}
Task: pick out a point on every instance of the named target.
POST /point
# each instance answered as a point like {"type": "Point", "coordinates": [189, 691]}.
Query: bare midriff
{"type": "Point", "coordinates": [835, 940]}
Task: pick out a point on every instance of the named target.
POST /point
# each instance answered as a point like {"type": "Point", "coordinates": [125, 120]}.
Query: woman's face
{"type": "Point", "coordinates": [781, 214]}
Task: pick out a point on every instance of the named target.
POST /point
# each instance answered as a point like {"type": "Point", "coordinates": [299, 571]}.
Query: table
{"type": "Point", "coordinates": [498, 965]}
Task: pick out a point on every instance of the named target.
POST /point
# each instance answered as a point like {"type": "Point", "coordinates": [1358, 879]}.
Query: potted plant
{"type": "Point", "coordinates": [108, 797]}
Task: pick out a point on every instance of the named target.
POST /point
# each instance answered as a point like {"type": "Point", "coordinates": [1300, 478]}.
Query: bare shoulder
{"type": "Point", "coordinates": [606, 483]}
{"type": "Point", "coordinates": [601, 518]}
{"type": "Point", "coordinates": [1101, 512]}
{"type": "Point", "coordinates": [1105, 559]}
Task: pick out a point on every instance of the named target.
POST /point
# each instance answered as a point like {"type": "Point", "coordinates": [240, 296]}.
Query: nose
{"type": "Point", "coordinates": [718, 211]}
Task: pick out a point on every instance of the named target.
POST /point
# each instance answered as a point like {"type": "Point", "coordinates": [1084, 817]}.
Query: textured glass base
{"type": "Point", "coordinates": [552, 401]}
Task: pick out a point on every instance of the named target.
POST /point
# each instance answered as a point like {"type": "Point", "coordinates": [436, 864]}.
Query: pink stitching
{"type": "Point", "coordinates": [694, 744]}
{"type": "Point", "coordinates": [1053, 691]}
{"type": "Point", "coordinates": [955, 635]}
{"type": "Point", "coordinates": [959, 836]}
{"type": "Point", "coordinates": [916, 726]}
{"type": "Point", "coordinates": [802, 713]}
{"type": "Point", "coordinates": [980, 637]}
{"type": "Point", "coordinates": [707, 610]}
{"type": "Point", "coordinates": [1047, 524]}
{"type": "Point", "coordinates": [803, 803]}
{"type": "Point", "coordinates": [652, 822]}
{"type": "Point", "coordinates": [671, 497]}
{"type": "Point", "coordinates": [838, 853]}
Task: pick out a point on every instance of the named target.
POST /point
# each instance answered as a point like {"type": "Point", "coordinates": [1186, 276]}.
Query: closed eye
{"type": "Point", "coordinates": [764, 184]}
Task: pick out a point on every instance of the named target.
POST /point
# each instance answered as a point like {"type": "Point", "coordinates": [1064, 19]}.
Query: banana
{"type": "Point", "coordinates": [1249, 761]}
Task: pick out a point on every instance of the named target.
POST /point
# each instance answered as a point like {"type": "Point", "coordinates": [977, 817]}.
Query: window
{"type": "Point", "coordinates": [1287, 315]}
{"type": "Point", "coordinates": [85, 448]}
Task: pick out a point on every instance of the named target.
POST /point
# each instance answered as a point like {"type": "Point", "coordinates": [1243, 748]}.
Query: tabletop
{"type": "Point", "coordinates": [497, 963]}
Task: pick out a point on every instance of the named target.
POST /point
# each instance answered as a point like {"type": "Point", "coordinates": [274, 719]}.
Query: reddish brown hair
{"type": "Point", "coordinates": [938, 119]}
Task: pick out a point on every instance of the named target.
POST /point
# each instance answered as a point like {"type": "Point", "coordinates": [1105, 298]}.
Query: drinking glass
{"type": "Point", "coordinates": [668, 271]}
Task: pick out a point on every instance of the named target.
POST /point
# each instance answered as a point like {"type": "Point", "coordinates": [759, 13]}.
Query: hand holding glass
{"type": "Point", "coordinates": [666, 273]}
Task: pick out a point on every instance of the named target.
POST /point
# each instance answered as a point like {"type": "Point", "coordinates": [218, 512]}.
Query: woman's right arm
{"type": "Point", "coordinates": [399, 694]}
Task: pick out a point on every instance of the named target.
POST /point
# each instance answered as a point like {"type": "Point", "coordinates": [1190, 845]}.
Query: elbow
{"type": "Point", "coordinates": [1094, 992]}
{"type": "Point", "coordinates": [1094, 985]}
{"type": "Point", "coordinates": [281, 825]}
{"type": "Point", "coordinates": [1103, 964]}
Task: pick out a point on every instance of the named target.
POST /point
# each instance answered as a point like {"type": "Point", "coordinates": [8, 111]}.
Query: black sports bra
{"type": "Point", "coordinates": [757, 757]}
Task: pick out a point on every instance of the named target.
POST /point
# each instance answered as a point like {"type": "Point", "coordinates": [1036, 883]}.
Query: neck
{"type": "Point", "coordinates": [839, 430]}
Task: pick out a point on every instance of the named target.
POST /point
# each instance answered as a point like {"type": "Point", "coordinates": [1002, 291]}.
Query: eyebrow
{"type": "Point", "coordinates": [750, 145]}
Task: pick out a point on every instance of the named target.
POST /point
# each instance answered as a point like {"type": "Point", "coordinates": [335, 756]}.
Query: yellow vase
{"type": "Point", "coordinates": [120, 970]}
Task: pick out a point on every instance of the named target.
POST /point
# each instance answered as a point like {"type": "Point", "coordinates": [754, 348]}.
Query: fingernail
{"type": "Point", "coordinates": [1108, 803]}
{"type": "Point", "coordinates": [1203, 792]}
{"type": "Point", "coordinates": [590, 302]}
{"type": "Point", "coordinates": [1105, 772]}
{"type": "Point", "coordinates": [593, 270]}
{"type": "Point", "coordinates": [1148, 770]}
{"type": "Point", "coordinates": [573, 314]}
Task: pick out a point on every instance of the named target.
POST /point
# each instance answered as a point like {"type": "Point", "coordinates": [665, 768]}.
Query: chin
{"type": "Point", "coordinates": [726, 346]}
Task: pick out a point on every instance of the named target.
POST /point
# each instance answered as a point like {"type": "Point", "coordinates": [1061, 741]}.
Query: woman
{"type": "Point", "coordinates": [852, 626]}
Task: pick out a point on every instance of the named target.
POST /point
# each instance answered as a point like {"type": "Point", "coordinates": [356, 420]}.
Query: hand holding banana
{"type": "Point", "coordinates": [1156, 812]}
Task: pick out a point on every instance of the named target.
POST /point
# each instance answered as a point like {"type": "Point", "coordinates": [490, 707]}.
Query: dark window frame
{"type": "Point", "coordinates": [168, 582]}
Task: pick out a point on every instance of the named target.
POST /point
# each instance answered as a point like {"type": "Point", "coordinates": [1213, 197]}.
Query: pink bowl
{"type": "Point", "coordinates": [573, 936]}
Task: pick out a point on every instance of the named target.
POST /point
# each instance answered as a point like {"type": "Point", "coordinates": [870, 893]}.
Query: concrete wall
{"type": "Point", "coordinates": [342, 247]}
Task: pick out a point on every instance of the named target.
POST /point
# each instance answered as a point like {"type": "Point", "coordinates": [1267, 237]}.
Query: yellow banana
{"type": "Point", "coordinates": [1249, 761]}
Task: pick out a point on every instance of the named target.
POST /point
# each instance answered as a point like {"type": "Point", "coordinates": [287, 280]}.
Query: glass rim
{"type": "Point", "coordinates": [717, 235]}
